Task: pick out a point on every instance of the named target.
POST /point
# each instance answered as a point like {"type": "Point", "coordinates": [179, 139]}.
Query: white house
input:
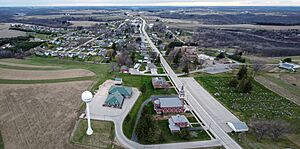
{"type": "Point", "coordinates": [288, 66]}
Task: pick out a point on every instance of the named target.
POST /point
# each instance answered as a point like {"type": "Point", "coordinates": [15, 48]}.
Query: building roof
{"type": "Point", "coordinates": [170, 102]}
{"type": "Point", "coordinates": [118, 79]}
{"type": "Point", "coordinates": [179, 119]}
{"type": "Point", "coordinates": [151, 66]}
{"type": "Point", "coordinates": [172, 126]}
{"type": "Point", "coordinates": [158, 81]}
{"type": "Point", "coordinates": [114, 99]}
{"type": "Point", "coordinates": [124, 67]}
{"type": "Point", "coordinates": [238, 126]}
{"type": "Point", "coordinates": [125, 91]}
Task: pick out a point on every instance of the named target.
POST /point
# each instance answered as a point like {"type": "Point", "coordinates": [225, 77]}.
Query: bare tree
{"type": "Point", "coordinates": [257, 66]}
{"type": "Point", "coordinates": [260, 128]}
{"type": "Point", "coordinates": [278, 128]}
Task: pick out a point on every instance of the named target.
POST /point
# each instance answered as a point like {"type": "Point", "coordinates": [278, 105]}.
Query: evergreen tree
{"type": "Point", "coordinates": [242, 73]}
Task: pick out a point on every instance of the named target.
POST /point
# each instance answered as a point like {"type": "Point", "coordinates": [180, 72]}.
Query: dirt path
{"type": "Point", "coordinates": [39, 116]}
{"type": "Point", "coordinates": [13, 74]}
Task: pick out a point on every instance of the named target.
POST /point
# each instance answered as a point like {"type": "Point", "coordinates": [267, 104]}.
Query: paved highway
{"type": "Point", "coordinates": [193, 100]}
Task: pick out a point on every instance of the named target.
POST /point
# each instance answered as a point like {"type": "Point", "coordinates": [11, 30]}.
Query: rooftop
{"type": "Point", "coordinates": [170, 102]}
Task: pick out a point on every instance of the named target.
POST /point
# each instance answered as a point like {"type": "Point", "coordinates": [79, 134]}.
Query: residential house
{"type": "Point", "coordinates": [177, 122]}
{"type": "Point", "coordinates": [124, 69]}
{"type": "Point", "coordinates": [152, 68]}
{"type": "Point", "coordinates": [190, 52]}
{"type": "Point", "coordinates": [160, 82]}
{"type": "Point", "coordinates": [170, 104]}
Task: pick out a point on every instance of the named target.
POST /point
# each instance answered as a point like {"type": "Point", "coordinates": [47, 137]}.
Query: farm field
{"type": "Point", "coordinates": [84, 23]}
{"type": "Point", "coordinates": [6, 33]}
{"type": "Point", "coordinates": [13, 74]}
{"type": "Point", "coordinates": [34, 115]}
{"type": "Point", "coordinates": [260, 104]}
{"type": "Point", "coordinates": [35, 110]}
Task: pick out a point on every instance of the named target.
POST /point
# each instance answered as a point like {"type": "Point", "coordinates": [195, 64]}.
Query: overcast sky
{"type": "Point", "coordinates": [149, 2]}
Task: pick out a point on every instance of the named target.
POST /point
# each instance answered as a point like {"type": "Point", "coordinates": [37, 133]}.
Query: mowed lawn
{"type": "Point", "coordinates": [260, 104]}
{"type": "Point", "coordinates": [103, 135]}
{"type": "Point", "coordinates": [138, 81]}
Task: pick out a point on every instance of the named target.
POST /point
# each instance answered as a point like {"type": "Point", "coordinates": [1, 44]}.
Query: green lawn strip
{"type": "Point", "coordinates": [260, 104]}
{"type": "Point", "coordinates": [4, 81]}
{"type": "Point", "coordinates": [172, 138]}
{"type": "Point", "coordinates": [102, 137]}
{"type": "Point", "coordinates": [28, 68]}
{"type": "Point", "coordinates": [1, 142]}
{"type": "Point", "coordinates": [138, 81]}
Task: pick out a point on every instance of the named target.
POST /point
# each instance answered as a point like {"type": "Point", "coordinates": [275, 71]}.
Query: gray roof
{"type": "Point", "coordinates": [170, 102]}
{"type": "Point", "coordinates": [179, 119]}
{"type": "Point", "coordinates": [238, 126]}
{"type": "Point", "coordinates": [151, 66]}
{"type": "Point", "coordinates": [172, 126]}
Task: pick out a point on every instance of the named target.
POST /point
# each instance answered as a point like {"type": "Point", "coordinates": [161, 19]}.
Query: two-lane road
{"type": "Point", "coordinates": [193, 98]}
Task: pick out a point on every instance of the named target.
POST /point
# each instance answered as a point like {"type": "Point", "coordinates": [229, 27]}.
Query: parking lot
{"type": "Point", "coordinates": [99, 111]}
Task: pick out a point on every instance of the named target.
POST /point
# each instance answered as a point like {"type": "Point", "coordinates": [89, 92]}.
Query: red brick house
{"type": "Point", "coordinates": [177, 122]}
{"type": "Point", "coordinates": [170, 104]}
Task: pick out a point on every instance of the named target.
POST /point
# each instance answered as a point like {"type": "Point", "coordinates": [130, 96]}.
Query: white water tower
{"type": "Point", "coordinates": [86, 97]}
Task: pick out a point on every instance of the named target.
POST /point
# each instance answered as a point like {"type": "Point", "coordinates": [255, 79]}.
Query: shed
{"type": "Point", "coordinates": [238, 126]}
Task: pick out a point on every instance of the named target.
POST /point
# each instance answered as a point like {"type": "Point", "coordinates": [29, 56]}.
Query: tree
{"type": "Point", "coordinates": [257, 65]}
{"type": "Point", "coordinates": [278, 128]}
{"type": "Point", "coordinates": [245, 85]}
{"type": "Point", "coordinates": [186, 69]}
{"type": "Point", "coordinates": [242, 73]}
{"type": "Point", "coordinates": [184, 133]}
{"type": "Point", "coordinates": [221, 55]}
{"type": "Point", "coordinates": [288, 59]}
{"type": "Point", "coordinates": [132, 56]}
{"type": "Point", "coordinates": [233, 82]}
{"type": "Point", "coordinates": [260, 128]}
{"type": "Point", "coordinates": [143, 88]}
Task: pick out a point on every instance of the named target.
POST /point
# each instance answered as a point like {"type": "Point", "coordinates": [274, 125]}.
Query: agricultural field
{"type": "Point", "coordinates": [34, 115]}
{"type": "Point", "coordinates": [84, 23]}
{"type": "Point", "coordinates": [261, 103]}
{"type": "Point", "coordinates": [35, 110]}
{"type": "Point", "coordinates": [6, 33]}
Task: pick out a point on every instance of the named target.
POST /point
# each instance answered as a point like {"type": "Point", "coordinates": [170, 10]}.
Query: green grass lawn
{"type": "Point", "coordinates": [4, 81]}
{"type": "Point", "coordinates": [172, 138]}
{"type": "Point", "coordinates": [102, 137]}
{"type": "Point", "coordinates": [1, 142]}
{"type": "Point", "coordinates": [260, 104]}
{"type": "Point", "coordinates": [137, 81]}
